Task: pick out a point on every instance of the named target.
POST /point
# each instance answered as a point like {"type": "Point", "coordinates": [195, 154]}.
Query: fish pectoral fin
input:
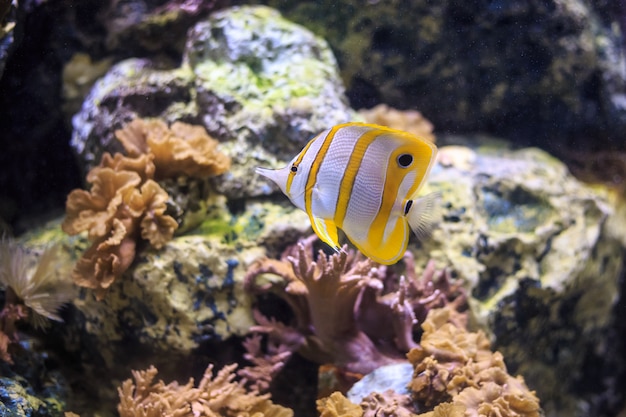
{"type": "Point", "coordinates": [424, 214]}
{"type": "Point", "coordinates": [327, 231]}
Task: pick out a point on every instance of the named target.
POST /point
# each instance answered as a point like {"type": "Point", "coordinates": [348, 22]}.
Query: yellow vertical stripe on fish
{"type": "Point", "coordinates": [359, 177]}
{"type": "Point", "coordinates": [311, 180]}
{"type": "Point", "coordinates": [296, 163]}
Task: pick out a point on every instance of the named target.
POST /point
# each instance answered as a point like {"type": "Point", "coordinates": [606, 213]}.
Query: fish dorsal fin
{"type": "Point", "coordinates": [327, 231]}
{"type": "Point", "coordinates": [424, 214]}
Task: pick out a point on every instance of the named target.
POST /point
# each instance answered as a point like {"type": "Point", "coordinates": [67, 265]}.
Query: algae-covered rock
{"type": "Point", "coordinates": [173, 300]}
{"type": "Point", "coordinates": [32, 386]}
{"type": "Point", "coordinates": [542, 271]}
{"type": "Point", "coordinates": [260, 84]}
{"type": "Point", "coordinates": [547, 72]}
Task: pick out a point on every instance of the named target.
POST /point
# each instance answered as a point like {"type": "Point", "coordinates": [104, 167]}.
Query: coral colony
{"type": "Point", "coordinates": [125, 202]}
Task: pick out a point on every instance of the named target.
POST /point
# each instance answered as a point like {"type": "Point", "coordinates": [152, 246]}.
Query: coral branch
{"type": "Point", "coordinates": [214, 396]}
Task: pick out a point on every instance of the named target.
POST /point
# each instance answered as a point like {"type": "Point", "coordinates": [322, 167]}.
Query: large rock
{"type": "Point", "coordinates": [546, 72]}
{"type": "Point", "coordinates": [173, 300]}
{"type": "Point", "coordinates": [541, 267]}
{"type": "Point", "coordinates": [260, 84]}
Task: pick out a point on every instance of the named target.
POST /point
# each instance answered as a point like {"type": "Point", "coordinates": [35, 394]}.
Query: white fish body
{"type": "Point", "coordinates": [363, 179]}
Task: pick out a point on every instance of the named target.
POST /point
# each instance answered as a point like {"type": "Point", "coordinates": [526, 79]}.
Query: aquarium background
{"type": "Point", "coordinates": [525, 99]}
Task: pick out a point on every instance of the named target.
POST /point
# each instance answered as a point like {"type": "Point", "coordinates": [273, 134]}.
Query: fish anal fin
{"type": "Point", "coordinates": [326, 230]}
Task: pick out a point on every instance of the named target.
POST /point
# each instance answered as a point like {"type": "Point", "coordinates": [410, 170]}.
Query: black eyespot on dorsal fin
{"type": "Point", "coordinates": [407, 207]}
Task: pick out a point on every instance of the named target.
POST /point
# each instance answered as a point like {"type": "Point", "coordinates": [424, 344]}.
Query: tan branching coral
{"type": "Point", "coordinates": [410, 121]}
{"type": "Point", "coordinates": [125, 202]}
{"type": "Point", "coordinates": [181, 149]}
{"type": "Point", "coordinates": [457, 366]}
{"type": "Point", "coordinates": [218, 396]}
{"type": "Point", "coordinates": [388, 403]}
{"type": "Point", "coordinates": [156, 227]}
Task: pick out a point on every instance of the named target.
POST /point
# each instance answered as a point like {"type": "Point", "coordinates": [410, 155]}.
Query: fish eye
{"type": "Point", "coordinates": [405, 160]}
{"type": "Point", "coordinates": [294, 168]}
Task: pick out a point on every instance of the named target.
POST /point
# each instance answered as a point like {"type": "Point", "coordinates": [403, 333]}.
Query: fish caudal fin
{"type": "Point", "coordinates": [327, 231]}
{"type": "Point", "coordinates": [424, 214]}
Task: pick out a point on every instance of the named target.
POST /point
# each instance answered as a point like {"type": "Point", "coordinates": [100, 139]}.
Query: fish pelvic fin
{"type": "Point", "coordinates": [326, 230]}
{"type": "Point", "coordinates": [424, 214]}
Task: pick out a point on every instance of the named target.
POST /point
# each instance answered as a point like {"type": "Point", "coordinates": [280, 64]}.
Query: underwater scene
{"type": "Point", "coordinates": [279, 208]}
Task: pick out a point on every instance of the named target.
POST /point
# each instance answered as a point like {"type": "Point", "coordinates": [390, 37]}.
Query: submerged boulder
{"type": "Point", "coordinates": [258, 83]}
{"type": "Point", "coordinates": [541, 267]}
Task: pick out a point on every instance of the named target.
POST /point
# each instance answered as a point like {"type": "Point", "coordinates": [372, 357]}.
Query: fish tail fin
{"type": "Point", "coordinates": [424, 214]}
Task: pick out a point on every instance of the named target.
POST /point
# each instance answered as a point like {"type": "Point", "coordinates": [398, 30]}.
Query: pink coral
{"type": "Point", "coordinates": [346, 309]}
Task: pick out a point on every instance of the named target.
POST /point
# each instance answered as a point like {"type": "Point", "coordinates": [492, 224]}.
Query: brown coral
{"type": "Point", "coordinates": [454, 365]}
{"type": "Point", "coordinates": [125, 202]}
{"type": "Point", "coordinates": [94, 210]}
{"type": "Point", "coordinates": [410, 121]}
{"type": "Point", "coordinates": [181, 149]}
{"type": "Point", "coordinates": [218, 396]}
{"type": "Point", "coordinates": [455, 374]}
{"type": "Point", "coordinates": [110, 212]}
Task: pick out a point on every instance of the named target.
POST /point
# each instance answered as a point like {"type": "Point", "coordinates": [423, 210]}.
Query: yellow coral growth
{"type": "Point", "coordinates": [181, 149]}
{"type": "Point", "coordinates": [217, 396]}
{"type": "Point", "coordinates": [454, 365]}
{"type": "Point", "coordinates": [410, 121]}
{"type": "Point", "coordinates": [446, 410]}
{"type": "Point", "coordinates": [337, 405]}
